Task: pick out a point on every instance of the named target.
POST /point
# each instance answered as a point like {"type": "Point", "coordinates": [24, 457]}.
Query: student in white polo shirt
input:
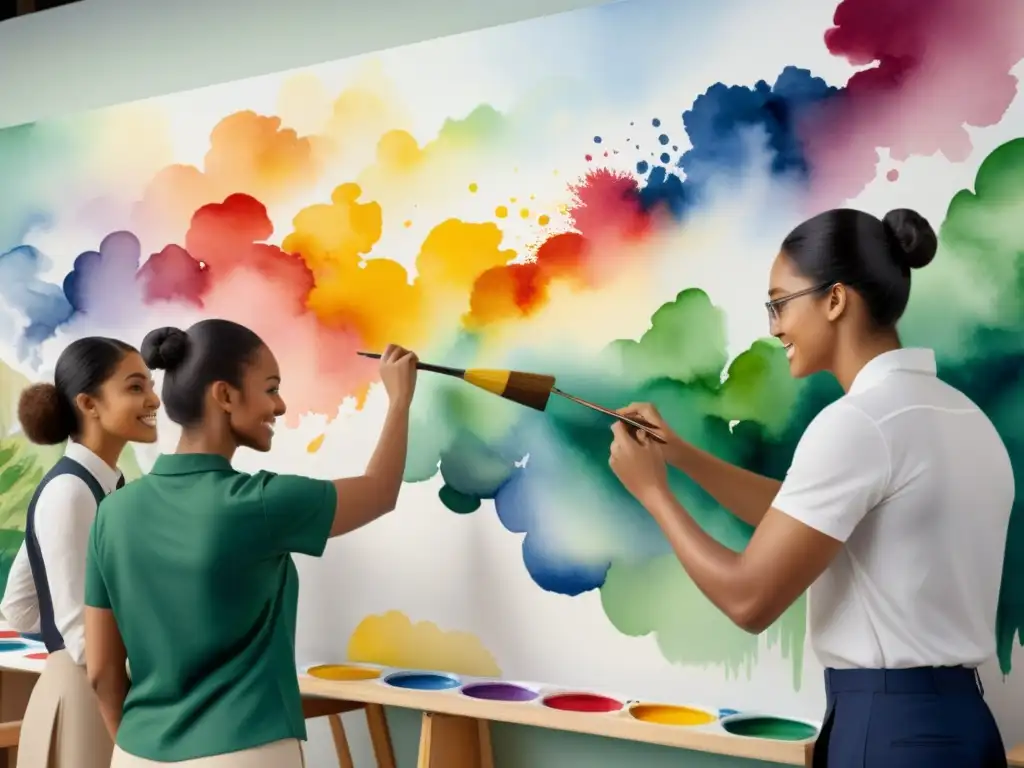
{"type": "Point", "coordinates": [894, 511]}
{"type": "Point", "coordinates": [101, 398]}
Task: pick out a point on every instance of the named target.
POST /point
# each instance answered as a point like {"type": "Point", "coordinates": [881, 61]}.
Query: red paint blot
{"type": "Point", "coordinates": [588, 158]}
{"type": "Point", "coordinates": [582, 702]}
{"type": "Point", "coordinates": [37, 656]}
{"type": "Point", "coordinates": [173, 275]}
{"type": "Point", "coordinates": [608, 206]}
{"type": "Point", "coordinates": [229, 236]}
{"type": "Point", "coordinates": [934, 68]}
{"type": "Point", "coordinates": [8, 633]}
{"type": "Point", "coordinates": [892, 175]}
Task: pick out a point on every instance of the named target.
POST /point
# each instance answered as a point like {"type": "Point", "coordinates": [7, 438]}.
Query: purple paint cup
{"type": "Point", "coordinates": [499, 692]}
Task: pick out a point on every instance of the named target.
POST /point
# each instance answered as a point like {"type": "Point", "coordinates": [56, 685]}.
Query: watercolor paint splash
{"type": "Point", "coordinates": [319, 288]}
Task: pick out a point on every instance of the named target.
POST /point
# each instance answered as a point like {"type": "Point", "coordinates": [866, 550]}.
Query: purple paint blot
{"type": "Point", "coordinates": [499, 692]}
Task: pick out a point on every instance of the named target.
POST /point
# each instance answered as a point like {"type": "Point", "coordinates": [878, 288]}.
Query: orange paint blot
{"type": "Point", "coordinates": [407, 223]}
{"type": "Point", "coordinates": [315, 444]}
{"type": "Point", "coordinates": [501, 211]}
{"type": "Point", "coordinates": [543, 220]}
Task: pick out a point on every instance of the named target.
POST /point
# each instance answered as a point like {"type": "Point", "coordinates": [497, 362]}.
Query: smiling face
{"type": "Point", "coordinates": [802, 314]}
{"type": "Point", "coordinates": [126, 404]}
{"type": "Point", "coordinates": [258, 403]}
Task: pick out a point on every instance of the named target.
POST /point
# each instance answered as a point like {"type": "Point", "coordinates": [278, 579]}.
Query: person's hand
{"type": "Point", "coordinates": [647, 412]}
{"type": "Point", "coordinates": [638, 463]}
{"type": "Point", "coordinates": [398, 374]}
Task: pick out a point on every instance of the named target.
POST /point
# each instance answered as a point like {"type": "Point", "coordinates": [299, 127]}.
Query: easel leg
{"type": "Point", "coordinates": [447, 741]}
{"type": "Point", "coordinates": [340, 742]}
{"type": "Point", "coordinates": [380, 736]}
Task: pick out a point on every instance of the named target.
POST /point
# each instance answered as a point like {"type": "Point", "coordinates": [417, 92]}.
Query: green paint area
{"type": "Point", "coordinates": [547, 472]}
{"type": "Point", "coordinates": [775, 728]}
{"type": "Point", "coordinates": [969, 306]}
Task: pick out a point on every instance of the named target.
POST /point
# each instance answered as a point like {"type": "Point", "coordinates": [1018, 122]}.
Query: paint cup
{"type": "Point", "coordinates": [769, 727]}
{"type": "Point", "coordinates": [348, 673]}
{"type": "Point", "coordinates": [499, 691]}
{"type": "Point", "coordinates": [670, 714]}
{"type": "Point", "coordinates": [423, 681]}
{"type": "Point", "coordinates": [582, 702]}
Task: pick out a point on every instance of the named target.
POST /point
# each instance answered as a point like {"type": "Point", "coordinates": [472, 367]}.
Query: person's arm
{"type": "Point", "coordinates": [65, 511]}
{"type": "Point", "coordinates": [105, 654]}
{"type": "Point", "coordinates": [745, 494]}
{"type": "Point", "coordinates": [840, 472]}
{"type": "Point", "coordinates": [20, 604]}
{"type": "Point", "coordinates": [364, 498]}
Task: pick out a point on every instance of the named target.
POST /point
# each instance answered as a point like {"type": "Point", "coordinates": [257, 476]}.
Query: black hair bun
{"type": "Point", "coordinates": [165, 348]}
{"type": "Point", "coordinates": [46, 419]}
{"type": "Point", "coordinates": [915, 236]}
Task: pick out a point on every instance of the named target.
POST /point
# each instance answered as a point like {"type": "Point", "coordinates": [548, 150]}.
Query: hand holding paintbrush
{"type": "Point", "coordinates": [530, 389]}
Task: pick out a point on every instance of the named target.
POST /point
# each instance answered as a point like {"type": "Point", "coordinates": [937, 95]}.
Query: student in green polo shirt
{"type": "Point", "coordinates": [189, 574]}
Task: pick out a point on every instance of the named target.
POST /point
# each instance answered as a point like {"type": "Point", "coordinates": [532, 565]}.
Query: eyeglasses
{"type": "Point", "coordinates": [775, 305]}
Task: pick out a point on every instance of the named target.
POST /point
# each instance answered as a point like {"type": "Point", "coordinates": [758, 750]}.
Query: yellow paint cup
{"type": "Point", "coordinates": [668, 714]}
{"type": "Point", "coordinates": [347, 673]}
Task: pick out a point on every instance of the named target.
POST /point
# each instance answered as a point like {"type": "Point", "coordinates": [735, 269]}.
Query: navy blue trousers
{"type": "Point", "coordinates": [928, 717]}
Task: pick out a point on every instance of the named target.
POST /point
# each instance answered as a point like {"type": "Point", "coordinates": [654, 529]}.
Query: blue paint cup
{"type": "Point", "coordinates": [422, 681]}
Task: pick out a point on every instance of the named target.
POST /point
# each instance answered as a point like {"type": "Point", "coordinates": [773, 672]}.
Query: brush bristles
{"type": "Point", "coordinates": [530, 389]}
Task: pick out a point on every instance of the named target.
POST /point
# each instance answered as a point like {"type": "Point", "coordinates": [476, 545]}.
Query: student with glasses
{"type": "Point", "coordinates": [893, 513]}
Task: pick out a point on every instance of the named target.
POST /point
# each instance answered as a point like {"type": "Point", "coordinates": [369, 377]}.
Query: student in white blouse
{"type": "Point", "coordinates": [893, 514]}
{"type": "Point", "coordinates": [101, 398]}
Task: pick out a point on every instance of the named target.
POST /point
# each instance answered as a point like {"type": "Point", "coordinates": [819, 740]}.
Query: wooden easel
{"type": "Point", "coordinates": [450, 741]}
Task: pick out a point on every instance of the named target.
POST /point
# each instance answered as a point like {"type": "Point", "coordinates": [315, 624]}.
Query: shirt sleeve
{"type": "Point", "coordinates": [64, 514]}
{"type": "Point", "coordinates": [840, 471]}
{"type": "Point", "coordinates": [298, 511]}
{"type": "Point", "coordinates": [96, 595]}
{"type": "Point", "coordinates": [20, 605]}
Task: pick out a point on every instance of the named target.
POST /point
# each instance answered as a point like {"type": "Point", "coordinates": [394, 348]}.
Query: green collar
{"type": "Point", "coordinates": [190, 463]}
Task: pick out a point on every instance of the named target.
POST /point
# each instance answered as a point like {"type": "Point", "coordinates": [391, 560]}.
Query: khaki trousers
{"type": "Point", "coordinates": [286, 753]}
{"type": "Point", "coordinates": [62, 727]}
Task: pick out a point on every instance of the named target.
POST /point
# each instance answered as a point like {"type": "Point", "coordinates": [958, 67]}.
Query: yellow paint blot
{"type": "Point", "coordinates": [665, 714]}
{"type": "Point", "coordinates": [543, 220]}
{"type": "Point", "coordinates": [343, 672]}
{"type": "Point", "coordinates": [406, 223]}
{"type": "Point", "coordinates": [563, 209]}
{"type": "Point", "coordinates": [512, 199]}
{"type": "Point", "coordinates": [473, 187]}
{"type": "Point", "coordinates": [315, 443]}
{"type": "Point", "coordinates": [525, 213]}
{"type": "Point", "coordinates": [393, 640]}
{"type": "Point", "coordinates": [501, 211]}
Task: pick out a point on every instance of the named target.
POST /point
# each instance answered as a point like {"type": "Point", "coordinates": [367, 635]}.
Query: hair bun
{"type": "Point", "coordinates": [46, 419]}
{"type": "Point", "coordinates": [165, 348]}
{"type": "Point", "coordinates": [915, 237]}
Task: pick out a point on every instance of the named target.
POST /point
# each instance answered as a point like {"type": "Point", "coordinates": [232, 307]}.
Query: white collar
{"type": "Point", "coordinates": [97, 467]}
{"type": "Point", "coordinates": [912, 360]}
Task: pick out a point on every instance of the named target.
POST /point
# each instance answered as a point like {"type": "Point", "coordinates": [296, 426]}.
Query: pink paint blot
{"type": "Point", "coordinates": [938, 67]}
{"type": "Point", "coordinates": [893, 175]}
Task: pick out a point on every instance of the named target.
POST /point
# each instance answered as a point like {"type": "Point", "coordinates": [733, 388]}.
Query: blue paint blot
{"type": "Point", "coordinates": [33, 637]}
{"type": "Point", "coordinates": [675, 148]}
{"type": "Point", "coordinates": [422, 681]}
{"type": "Point", "coordinates": [665, 157]}
{"type": "Point", "coordinates": [656, 122]}
{"type": "Point", "coordinates": [12, 645]}
{"type": "Point", "coordinates": [642, 167]}
{"type": "Point", "coordinates": [597, 139]}
{"type": "Point", "coordinates": [727, 712]}
{"type": "Point", "coordinates": [663, 139]}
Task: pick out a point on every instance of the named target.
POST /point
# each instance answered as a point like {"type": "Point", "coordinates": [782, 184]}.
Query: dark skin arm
{"type": "Point", "coordinates": [745, 494]}
{"type": "Point", "coordinates": [105, 658]}
{"type": "Point", "coordinates": [753, 587]}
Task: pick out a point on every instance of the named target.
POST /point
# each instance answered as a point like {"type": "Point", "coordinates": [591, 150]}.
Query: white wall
{"type": "Point", "coordinates": [101, 52]}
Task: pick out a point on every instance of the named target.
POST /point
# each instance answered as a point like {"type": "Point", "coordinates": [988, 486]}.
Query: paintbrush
{"type": "Point", "coordinates": [530, 389]}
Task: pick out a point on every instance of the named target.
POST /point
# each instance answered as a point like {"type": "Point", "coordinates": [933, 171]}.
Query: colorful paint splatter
{"type": "Point", "coordinates": [565, 231]}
